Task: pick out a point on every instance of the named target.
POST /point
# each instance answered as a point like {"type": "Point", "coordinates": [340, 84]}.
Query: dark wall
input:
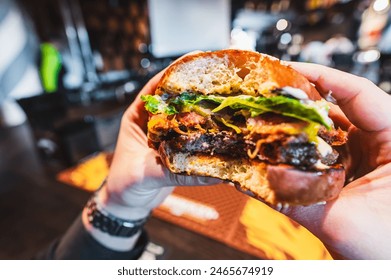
{"type": "Point", "coordinates": [118, 30]}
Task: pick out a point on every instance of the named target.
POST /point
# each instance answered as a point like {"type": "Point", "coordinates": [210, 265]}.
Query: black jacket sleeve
{"type": "Point", "coordinates": [78, 244]}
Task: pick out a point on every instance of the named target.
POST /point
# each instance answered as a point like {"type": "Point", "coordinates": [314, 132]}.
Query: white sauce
{"type": "Point", "coordinates": [319, 165]}
{"type": "Point", "coordinates": [321, 203]}
{"type": "Point", "coordinates": [323, 148]}
{"type": "Point", "coordinates": [324, 112]}
{"type": "Point", "coordinates": [321, 105]}
{"type": "Point", "coordinates": [294, 92]}
{"type": "Point", "coordinates": [322, 108]}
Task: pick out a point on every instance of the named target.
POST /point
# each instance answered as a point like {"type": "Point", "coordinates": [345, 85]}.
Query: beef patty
{"type": "Point", "coordinates": [292, 150]}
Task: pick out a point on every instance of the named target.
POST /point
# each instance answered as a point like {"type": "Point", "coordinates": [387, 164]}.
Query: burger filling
{"type": "Point", "coordinates": [284, 128]}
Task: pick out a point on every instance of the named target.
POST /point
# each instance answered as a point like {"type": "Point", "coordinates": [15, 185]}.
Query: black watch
{"type": "Point", "coordinates": [106, 222]}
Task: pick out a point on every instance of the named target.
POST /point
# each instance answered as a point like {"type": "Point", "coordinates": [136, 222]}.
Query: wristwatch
{"type": "Point", "coordinates": [108, 223]}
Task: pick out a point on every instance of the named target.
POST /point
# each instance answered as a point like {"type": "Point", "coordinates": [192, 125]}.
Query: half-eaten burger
{"type": "Point", "coordinates": [250, 119]}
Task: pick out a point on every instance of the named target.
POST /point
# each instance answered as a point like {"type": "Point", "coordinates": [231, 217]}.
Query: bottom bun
{"type": "Point", "coordinates": [273, 184]}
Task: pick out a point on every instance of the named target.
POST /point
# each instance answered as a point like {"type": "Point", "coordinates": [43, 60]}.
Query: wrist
{"type": "Point", "coordinates": [114, 225]}
{"type": "Point", "coordinates": [120, 244]}
{"type": "Point", "coordinates": [114, 204]}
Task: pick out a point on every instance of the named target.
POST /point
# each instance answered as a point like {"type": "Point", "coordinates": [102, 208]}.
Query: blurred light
{"type": "Point", "coordinates": [381, 5]}
{"type": "Point", "coordinates": [338, 18]}
{"type": "Point", "coordinates": [143, 48]}
{"type": "Point", "coordinates": [297, 39]}
{"type": "Point", "coordinates": [368, 56]}
{"type": "Point", "coordinates": [145, 63]}
{"type": "Point", "coordinates": [243, 40]}
{"type": "Point", "coordinates": [236, 32]}
{"type": "Point", "coordinates": [282, 24]}
{"type": "Point", "coordinates": [129, 86]}
{"type": "Point", "coordinates": [386, 86]}
{"type": "Point", "coordinates": [286, 38]}
{"type": "Point", "coordinates": [294, 50]}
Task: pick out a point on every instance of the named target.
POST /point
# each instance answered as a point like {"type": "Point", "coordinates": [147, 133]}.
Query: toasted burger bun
{"type": "Point", "coordinates": [233, 72]}
{"type": "Point", "coordinates": [229, 72]}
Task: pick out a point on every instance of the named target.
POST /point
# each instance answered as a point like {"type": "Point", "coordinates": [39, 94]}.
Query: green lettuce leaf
{"type": "Point", "coordinates": [244, 104]}
{"type": "Point", "coordinates": [277, 104]}
{"type": "Point", "coordinates": [187, 98]}
{"type": "Point", "coordinates": [156, 105]}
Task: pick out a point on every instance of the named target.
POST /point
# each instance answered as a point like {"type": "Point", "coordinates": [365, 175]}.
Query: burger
{"type": "Point", "coordinates": [247, 118]}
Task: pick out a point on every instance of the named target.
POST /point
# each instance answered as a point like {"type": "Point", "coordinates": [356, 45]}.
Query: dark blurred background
{"type": "Point", "coordinates": [69, 68]}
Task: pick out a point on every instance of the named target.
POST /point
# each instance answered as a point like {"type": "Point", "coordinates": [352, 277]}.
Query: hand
{"type": "Point", "coordinates": [357, 225]}
{"type": "Point", "coordinates": [137, 181]}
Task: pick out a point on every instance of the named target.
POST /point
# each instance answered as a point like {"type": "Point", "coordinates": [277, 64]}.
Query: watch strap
{"type": "Point", "coordinates": [108, 223]}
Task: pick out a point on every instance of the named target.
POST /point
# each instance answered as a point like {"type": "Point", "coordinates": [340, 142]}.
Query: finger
{"type": "Point", "coordinates": [365, 105]}
{"type": "Point", "coordinates": [148, 88]}
{"type": "Point", "coordinates": [172, 179]}
{"type": "Point", "coordinates": [136, 111]}
{"type": "Point", "coordinates": [245, 191]}
{"type": "Point", "coordinates": [339, 118]}
{"type": "Point", "coordinates": [184, 180]}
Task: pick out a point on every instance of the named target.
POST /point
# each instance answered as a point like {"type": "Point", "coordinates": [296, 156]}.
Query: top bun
{"type": "Point", "coordinates": [230, 71]}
